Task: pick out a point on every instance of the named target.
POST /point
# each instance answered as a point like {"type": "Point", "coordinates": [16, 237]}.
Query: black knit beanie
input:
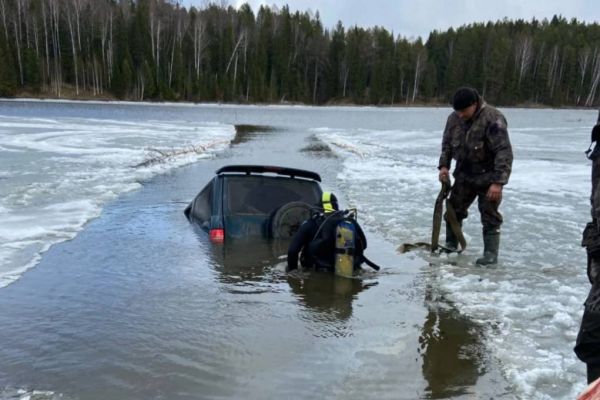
{"type": "Point", "coordinates": [464, 97]}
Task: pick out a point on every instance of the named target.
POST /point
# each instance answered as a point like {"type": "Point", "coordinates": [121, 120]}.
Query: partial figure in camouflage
{"type": "Point", "coordinates": [476, 137]}
{"type": "Point", "coordinates": [587, 347]}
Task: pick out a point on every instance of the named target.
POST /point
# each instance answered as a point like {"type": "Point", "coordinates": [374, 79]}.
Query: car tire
{"type": "Point", "coordinates": [287, 219]}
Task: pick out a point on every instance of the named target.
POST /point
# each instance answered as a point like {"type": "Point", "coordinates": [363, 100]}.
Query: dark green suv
{"type": "Point", "coordinates": [255, 201]}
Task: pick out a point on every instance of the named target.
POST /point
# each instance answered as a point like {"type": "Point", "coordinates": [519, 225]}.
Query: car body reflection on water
{"type": "Point", "coordinates": [327, 295]}
{"type": "Point", "coordinates": [249, 259]}
{"type": "Point", "coordinates": [258, 265]}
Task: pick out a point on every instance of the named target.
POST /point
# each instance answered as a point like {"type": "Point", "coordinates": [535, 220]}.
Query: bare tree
{"type": "Point", "coordinates": [25, 21]}
{"type": "Point", "coordinates": [3, 11]}
{"type": "Point", "coordinates": [44, 20]}
{"type": "Point", "coordinates": [17, 31]}
{"type": "Point", "coordinates": [235, 53]}
{"type": "Point", "coordinates": [70, 22]}
{"type": "Point", "coordinates": [110, 49]}
{"type": "Point", "coordinates": [595, 79]}
{"type": "Point", "coordinates": [199, 43]}
{"type": "Point", "coordinates": [140, 84]}
{"type": "Point", "coordinates": [106, 44]}
{"type": "Point", "coordinates": [583, 61]}
{"type": "Point", "coordinates": [77, 15]}
{"type": "Point", "coordinates": [172, 61]}
{"type": "Point", "coordinates": [419, 67]}
{"type": "Point", "coordinates": [553, 69]}
{"type": "Point", "coordinates": [36, 38]}
{"type": "Point", "coordinates": [346, 72]}
{"type": "Point", "coordinates": [55, 29]}
{"type": "Point", "coordinates": [523, 56]}
{"type": "Point", "coordinates": [155, 30]}
{"type": "Point", "coordinates": [176, 42]}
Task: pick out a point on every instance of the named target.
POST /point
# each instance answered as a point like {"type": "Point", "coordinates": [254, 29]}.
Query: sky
{"type": "Point", "coordinates": [413, 18]}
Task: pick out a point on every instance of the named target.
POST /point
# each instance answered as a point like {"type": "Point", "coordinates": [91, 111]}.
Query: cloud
{"type": "Point", "coordinates": [418, 18]}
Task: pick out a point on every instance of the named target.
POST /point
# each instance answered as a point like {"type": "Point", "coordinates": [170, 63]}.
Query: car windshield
{"type": "Point", "coordinates": [264, 194]}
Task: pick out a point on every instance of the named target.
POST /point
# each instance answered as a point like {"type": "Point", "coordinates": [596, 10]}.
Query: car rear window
{"type": "Point", "coordinates": [264, 194]}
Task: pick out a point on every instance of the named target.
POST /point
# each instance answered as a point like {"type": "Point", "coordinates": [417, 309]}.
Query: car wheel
{"type": "Point", "coordinates": [287, 219]}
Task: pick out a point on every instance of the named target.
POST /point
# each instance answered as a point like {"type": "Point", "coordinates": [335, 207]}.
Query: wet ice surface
{"type": "Point", "coordinates": [59, 171]}
{"type": "Point", "coordinates": [140, 305]}
{"type": "Point", "coordinates": [531, 304]}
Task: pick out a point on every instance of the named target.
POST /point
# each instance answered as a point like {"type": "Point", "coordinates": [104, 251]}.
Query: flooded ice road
{"type": "Point", "coordinates": [140, 305]}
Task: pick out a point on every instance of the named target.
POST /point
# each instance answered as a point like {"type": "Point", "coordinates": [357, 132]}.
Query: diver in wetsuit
{"type": "Point", "coordinates": [315, 239]}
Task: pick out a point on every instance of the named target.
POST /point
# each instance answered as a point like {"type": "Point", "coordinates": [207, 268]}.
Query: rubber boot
{"type": "Point", "coordinates": [451, 239]}
{"type": "Point", "coordinates": [491, 243]}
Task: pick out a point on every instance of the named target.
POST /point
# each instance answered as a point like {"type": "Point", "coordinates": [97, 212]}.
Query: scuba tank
{"type": "Point", "coordinates": [344, 238]}
{"type": "Point", "coordinates": [345, 245]}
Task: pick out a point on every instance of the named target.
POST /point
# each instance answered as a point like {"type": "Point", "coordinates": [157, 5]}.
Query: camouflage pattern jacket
{"type": "Point", "coordinates": [481, 147]}
{"type": "Point", "coordinates": [591, 238]}
{"type": "Point", "coordinates": [595, 157]}
{"type": "Point", "coordinates": [591, 233]}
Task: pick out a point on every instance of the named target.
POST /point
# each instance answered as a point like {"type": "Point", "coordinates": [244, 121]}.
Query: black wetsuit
{"type": "Point", "coordinates": [318, 251]}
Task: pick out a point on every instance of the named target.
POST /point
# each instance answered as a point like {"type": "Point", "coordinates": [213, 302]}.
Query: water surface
{"type": "Point", "coordinates": [138, 303]}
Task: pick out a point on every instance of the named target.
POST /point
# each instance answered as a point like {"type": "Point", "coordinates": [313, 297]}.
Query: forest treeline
{"type": "Point", "coordinates": [159, 50]}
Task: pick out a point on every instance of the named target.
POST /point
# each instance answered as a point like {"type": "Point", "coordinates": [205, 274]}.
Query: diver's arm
{"type": "Point", "coordinates": [361, 235]}
{"type": "Point", "coordinates": [299, 240]}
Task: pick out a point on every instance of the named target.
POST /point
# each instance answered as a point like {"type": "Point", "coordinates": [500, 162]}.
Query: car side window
{"type": "Point", "coordinates": [203, 204]}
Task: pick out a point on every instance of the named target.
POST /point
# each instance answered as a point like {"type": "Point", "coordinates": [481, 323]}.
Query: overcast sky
{"type": "Point", "coordinates": [412, 18]}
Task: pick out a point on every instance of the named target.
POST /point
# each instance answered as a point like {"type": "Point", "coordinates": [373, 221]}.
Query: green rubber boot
{"type": "Point", "coordinates": [491, 244]}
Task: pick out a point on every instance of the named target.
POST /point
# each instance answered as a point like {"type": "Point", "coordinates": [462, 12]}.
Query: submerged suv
{"type": "Point", "coordinates": [255, 201]}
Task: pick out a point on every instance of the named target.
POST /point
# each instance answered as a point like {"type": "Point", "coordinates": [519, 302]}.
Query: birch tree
{"type": "Point", "coordinates": [583, 60]}
{"type": "Point", "coordinates": [155, 30]}
{"type": "Point", "coordinates": [70, 21]}
{"type": "Point", "coordinates": [199, 43]}
{"type": "Point", "coordinates": [419, 68]}
{"type": "Point", "coordinates": [523, 56]}
{"type": "Point", "coordinates": [595, 79]}
{"type": "Point", "coordinates": [17, 33]}
{"type": "Point", "coordinates": [56, 56]}
{"type": "Point", "coordinates": [3, 12]}
{"type": "Point", "coordinates": [106, 41]}
{"type": "Point", "coordinates": [235, 53]}
{"type": "Point", "coordinates": [553, 64]}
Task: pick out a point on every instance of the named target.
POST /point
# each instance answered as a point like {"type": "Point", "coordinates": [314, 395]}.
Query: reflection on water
{"type": "Point", "coordinates": [258, 265]}
{"type": "Point", "coordinates": [317, 147]}
{"type": "Point", "coordinates": [248, 259]}
{"type": "Point", "coordinates": [245, 133]}
{"type": "Point", "coordinates": [328, 295]}
{"type": "Point", "coordinates": [452, 349]}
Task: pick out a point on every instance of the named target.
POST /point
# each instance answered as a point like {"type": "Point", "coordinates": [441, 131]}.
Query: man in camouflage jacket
{"type": "Point", "coordinates": [476, 137]}
{"type": "Point", "coordinates": [588, 339]}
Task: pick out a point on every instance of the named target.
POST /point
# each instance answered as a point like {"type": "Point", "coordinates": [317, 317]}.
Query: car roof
{"type": "Point", "coordinates": [262, 169]}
